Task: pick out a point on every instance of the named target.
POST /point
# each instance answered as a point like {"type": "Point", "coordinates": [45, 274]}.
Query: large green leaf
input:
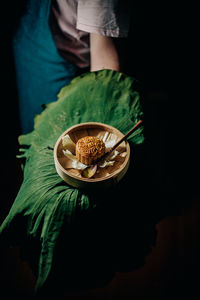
{"type": "Point", "coordinates": [44, 202]}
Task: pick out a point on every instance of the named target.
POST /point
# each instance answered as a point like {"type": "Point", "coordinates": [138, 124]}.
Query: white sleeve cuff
{"type": "Point", "coordinates": [103, 17]}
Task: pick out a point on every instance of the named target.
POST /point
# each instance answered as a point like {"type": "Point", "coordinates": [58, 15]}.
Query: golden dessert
{"type": "Point", "coordinates": [89, 149]}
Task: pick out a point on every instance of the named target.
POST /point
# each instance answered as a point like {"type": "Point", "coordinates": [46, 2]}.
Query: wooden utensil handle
{"type": "Point", "coordinates": [126, 136]}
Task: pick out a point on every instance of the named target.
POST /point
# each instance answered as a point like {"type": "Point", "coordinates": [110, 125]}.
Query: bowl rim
{"type": "Point", "coordinates": [91, 180]}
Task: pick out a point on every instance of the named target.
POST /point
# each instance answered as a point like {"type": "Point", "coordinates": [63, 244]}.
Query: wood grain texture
{"type": "Point", "coordinates": [108, 177]}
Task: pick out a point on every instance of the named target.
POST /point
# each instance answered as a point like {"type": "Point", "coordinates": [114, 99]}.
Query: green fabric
{"type": "Point", "coordinates": [45, 202]}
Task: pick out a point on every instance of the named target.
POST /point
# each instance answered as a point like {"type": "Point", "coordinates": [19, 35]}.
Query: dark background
{"type": "Point", "coordinates": [171, 267]}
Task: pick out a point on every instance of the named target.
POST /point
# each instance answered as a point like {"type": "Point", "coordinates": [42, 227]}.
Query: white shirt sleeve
{"type": "Point", "coordinates": [104, 17]}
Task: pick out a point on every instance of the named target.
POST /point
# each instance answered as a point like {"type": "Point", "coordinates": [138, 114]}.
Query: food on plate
{"type": "Point", "coordinates": [86, 158]}
{"type": "Point", "coordinates": [89, 149]}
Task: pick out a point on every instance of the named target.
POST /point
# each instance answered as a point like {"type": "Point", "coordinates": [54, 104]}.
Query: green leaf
{"type": "Point", "coordinates": [45, 202]}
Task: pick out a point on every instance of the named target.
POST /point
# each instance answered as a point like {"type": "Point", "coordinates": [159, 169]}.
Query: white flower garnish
{"type": "Point", "coordinates": [123, 154]}
{"type": "Point", "coordinates": [75, 163]}
{"type": "Point", "coordinates": [109, 162]}
{"type": "Point", "coordinates": [106, 163]}
{"type": "Point", "coordinates": [114, 154]}
{"type": "Point", "coordinates": [68, 143]}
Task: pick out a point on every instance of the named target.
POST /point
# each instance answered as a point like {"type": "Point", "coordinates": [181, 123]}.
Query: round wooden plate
{"type": "Point", "coordinates": [110, 175]}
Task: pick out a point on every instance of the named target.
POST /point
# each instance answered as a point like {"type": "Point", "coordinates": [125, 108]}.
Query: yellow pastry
{"type": "Point", "coordinates": [89, 149]}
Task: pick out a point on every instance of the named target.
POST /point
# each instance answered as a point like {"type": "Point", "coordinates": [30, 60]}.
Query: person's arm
{"type": "Point", "coordinates": [103, 53]}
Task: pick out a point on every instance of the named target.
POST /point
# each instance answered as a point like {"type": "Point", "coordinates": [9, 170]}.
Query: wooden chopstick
{"type": "Point", "coordinates": [121, 140]}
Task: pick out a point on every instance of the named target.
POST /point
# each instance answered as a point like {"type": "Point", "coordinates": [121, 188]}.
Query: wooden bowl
{"type": "Point", "coordinates": [107, 177]}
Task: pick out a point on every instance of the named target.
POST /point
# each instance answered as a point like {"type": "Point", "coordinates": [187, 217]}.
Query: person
{"type": "Point", "coordinates": [59, 39]}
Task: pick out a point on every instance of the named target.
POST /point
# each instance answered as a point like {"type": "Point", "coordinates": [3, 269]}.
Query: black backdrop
{"type": "Point", "coordinates": [172, 268]}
